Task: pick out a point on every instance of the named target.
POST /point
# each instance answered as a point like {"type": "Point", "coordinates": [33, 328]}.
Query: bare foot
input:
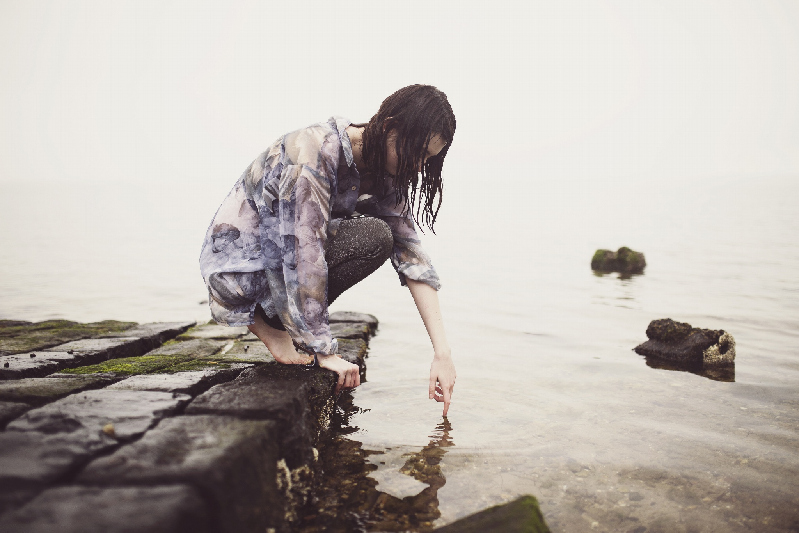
{"type": "Point", "coordinates": [279, 343]}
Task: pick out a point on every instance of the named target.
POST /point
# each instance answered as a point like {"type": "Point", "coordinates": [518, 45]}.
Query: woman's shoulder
{"type": "Point", "coordinates": [316, 145]}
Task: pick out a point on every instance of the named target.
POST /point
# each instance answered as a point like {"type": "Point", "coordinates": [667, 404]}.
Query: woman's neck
{"type": "Point", "coordinates": [356, 139]}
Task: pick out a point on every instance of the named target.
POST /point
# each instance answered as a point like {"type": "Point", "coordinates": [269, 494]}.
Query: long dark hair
{"type": "Point", "coordinates": [416, 114]}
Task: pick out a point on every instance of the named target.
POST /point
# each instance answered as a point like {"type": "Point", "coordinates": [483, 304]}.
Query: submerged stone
{"type": "Point", "coordinates": [679, 342]}
{"type": "Point", "coordinates": [160, 509]}
{"type": "Point", "coordinates": [519, 516]}
{"type": "Point", "coordinates": [624, 261]}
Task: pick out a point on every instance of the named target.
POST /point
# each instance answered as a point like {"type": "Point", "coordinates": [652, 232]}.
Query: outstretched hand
{"type": "Point", "coordinates": [442, 380]}
{"type": "Point", "coordinates": [349, 375]}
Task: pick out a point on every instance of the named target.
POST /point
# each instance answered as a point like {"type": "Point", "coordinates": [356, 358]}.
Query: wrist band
{"type": "Point", "coordinates": [315, 362]}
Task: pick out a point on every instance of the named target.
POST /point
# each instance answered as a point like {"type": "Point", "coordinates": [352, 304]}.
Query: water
{"type": "Point", "coordinates": [550, 398]}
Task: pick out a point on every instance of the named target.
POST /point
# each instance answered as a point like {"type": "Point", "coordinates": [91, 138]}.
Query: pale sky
{"type": "Point", "coordinates": [193, 90]}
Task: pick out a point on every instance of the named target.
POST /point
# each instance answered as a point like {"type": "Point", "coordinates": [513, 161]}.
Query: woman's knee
{"type": "Point", "coordinates": [236, 289]}
{"type": "Point", "coordinates": [382, 239]}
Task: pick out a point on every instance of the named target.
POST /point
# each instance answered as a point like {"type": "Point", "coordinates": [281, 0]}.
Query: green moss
{"type": "Point", "coordinates": [522, 515]}
{"type": "Point", "coordinates": [16, 337]}
{"type": "Point", "coordinates": [129, 366]}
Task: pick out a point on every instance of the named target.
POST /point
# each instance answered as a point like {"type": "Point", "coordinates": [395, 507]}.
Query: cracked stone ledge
{"type": "Point", "coordinates": [116, 426]}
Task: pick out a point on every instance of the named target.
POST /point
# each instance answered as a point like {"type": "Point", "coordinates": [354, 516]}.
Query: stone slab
{"type": "Point", "coordinates": [43, 364]}
{"type": "Point", "coordinates": [192, 347]}
{"type": "Point", "coordinates": [11, 410]}
{"type": "Point", "coordinates": [39, 391]}
{"type": "Point", "coordinates": [191, 383]}
{"type": "Point", "coordinates": [351, 316]}
{"type": "Point", "coordinates": [233, 462]}
{"type": "Point", "coordinates": [31, 461]}
{"type": "Point", "coordinates": [519, 516]}
{"type": "Point", "coordinates": [254, 351]}
{"type": "Point", "coordinates": [214, 331]}
{"type": "Point", "coordinates": [155, 332]}
{"type": "Point", "coordinates": [350, 330]}
{"type": "Point", "coordinates": [97, 350]}
{"type": "Point", "coordinates": [130, 412]}
{"type": "Point", "coordinates": [162, 509]}
{"type": "Point", "coordinates": [300, 400]}
{"type": "Point", "coordinates": [19, 336]}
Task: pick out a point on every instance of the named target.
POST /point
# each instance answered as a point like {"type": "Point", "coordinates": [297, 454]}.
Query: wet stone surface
{"type": "Point", "coordinates": [204, 452]}
{"type": "Point", "coordinates": [130, 412]}
{"type": "Point", "coordinates": [11, 410]}
{"type": "Point", "coordinates": [39, 391]}
{"type": "Point", "coordinates": [191, 382]}
{"type": "Point", "coordinates": [123, 427]}
{"type": "Point", "coordinates": [170, 509]}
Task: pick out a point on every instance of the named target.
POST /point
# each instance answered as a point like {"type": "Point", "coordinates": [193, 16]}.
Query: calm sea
{"type": "Point", "coordinates": [550, 398]}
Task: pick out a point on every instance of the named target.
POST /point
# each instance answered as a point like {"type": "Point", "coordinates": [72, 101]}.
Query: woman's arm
{"type": "Point", "coordinates": [442, 370]}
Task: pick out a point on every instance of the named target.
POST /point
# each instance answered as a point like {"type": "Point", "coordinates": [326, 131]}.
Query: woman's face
{"type": "Point", "coordinates": [392, 159]}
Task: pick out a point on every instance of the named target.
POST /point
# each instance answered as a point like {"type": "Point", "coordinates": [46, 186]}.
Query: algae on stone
{"type": "Point", "coordinates": [17, 337]}
{"type": "Point", "coordinates": [624, 261]}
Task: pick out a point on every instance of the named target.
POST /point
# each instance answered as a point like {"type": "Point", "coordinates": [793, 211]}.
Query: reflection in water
{"type": "Point", "coordinates": [347, 499]}
{"type": "Point", "coordinates": [716, 374]}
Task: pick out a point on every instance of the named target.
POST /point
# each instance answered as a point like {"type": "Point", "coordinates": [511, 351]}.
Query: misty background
{"type": "Point", "coordinates": [124, 124]}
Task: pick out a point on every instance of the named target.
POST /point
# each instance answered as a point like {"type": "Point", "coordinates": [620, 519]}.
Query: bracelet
{"type": "Point", "coordinates": [314, 364]}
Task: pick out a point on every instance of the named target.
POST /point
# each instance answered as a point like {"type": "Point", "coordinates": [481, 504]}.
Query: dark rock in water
{"type": "Point", "coordinates": [680, 343]}
{"type": "Point", "coordinates": [519, 516]}
{"type": "Point", "coordinates": [112, 510]}
{"type": "Point", "coordinates": [623, 260]}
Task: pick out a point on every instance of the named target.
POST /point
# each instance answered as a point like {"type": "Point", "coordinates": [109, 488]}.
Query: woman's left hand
{"type": "Point", "coordinates": [442, 380]}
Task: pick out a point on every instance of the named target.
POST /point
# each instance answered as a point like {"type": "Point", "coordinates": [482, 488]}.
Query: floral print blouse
{"type": "Point", "coordinates": [276, 222]}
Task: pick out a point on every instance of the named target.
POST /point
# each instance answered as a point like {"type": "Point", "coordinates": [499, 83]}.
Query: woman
{"type": "Point", "coordinates": [284, 243]}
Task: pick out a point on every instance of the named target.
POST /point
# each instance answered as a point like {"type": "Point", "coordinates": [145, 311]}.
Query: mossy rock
{"type": "Point", "coordinates": [519, 516]}
{"type": "Point", "coordinates": [624, 261]}
{"type": "Point", "coordinates": [668, 330]}
{"type": "Point", "coordinates": [18, 337]}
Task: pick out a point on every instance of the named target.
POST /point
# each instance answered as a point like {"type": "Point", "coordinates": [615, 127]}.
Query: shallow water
{"type": "Point", "coordinates": [550, 399]}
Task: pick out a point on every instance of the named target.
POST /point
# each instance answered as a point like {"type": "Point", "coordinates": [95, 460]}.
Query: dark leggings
{"type": "Point", "coordinates": [359, 247]}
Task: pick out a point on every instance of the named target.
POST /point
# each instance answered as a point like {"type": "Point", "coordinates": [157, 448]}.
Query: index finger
{"type": "Point", "coordinates": [447, 399]}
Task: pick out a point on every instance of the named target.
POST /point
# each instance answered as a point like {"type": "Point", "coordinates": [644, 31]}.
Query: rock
{"type": "Point", "coordinates": [193, 348]}
{"type": "Point", "coordinates": [191, 383]}
{"type": "Point", "coordinates": [350, 316]}
{"type": "Point", "coordinates": [350, 330]}
{"type": "Point", "coordinates": [214, 331]}
{"type": "Point", "coordinates": [23, 366]}
{"type": "Point", "coordinates": [232, 462]}
{"type": "Point", "coordinates": [39, 391]}
{"type": "Point", "coordinates": [155, 333]}
{"type": "Point", "coordinates": [131, 412]}
{"type": "Point", "coordinates": [31, 461]}
{"type": "Point", "coordinates": [250, 351]}
{"type": "Point", "coordinates": [18, 336]}
{"type": "Point", "coordinates": [300, 400]}
{"type": "Point", "coordinates": [354, 351]}
{"type": "Point", "coordinates": [11, 410]}
{"type": "Point", "coordinates": [681, 343]}
{"type": "Point", "coordinates": [161, 509]}
{"type": "Point", "coordinates": [624, 260]}
{"type": "Point", "coordinates": [94, 351]}
{"type": "Point", "coordinates": [519, 516]}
